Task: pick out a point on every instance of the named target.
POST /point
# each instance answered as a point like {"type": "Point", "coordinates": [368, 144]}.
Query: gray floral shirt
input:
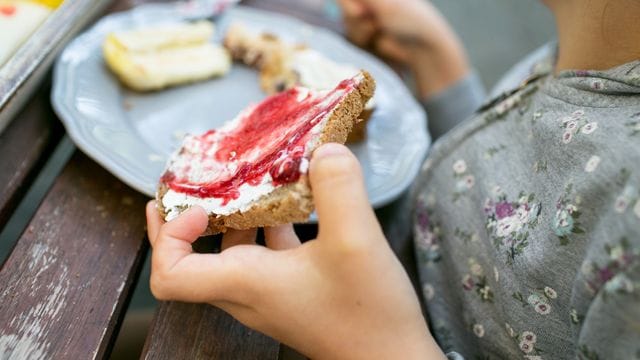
{"type": "Point", "coordinates": [527, 223]}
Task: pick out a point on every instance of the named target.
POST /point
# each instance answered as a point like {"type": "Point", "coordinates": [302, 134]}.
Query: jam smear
{"type": "Point", "coordinates": [8, 10]}
{"type": "Point", "coordinates": [269, 138]}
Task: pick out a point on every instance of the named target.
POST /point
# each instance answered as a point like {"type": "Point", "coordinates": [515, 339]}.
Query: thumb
{"type": "Point", "coordinates": [339, 194]}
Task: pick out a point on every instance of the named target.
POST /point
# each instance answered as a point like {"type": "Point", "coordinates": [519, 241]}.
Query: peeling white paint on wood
{"type": "Point", "coordinates": [26, 336]}
{"type": "Point", "coordinates": [13, 348]}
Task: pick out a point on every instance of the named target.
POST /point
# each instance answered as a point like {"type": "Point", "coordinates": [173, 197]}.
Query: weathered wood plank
{"type": "Point", "coordinates": [196, 331]}
{"type": "Point", "coordinates": [65, 285]}
{"type": "Point", "coordinates": [23, 147]}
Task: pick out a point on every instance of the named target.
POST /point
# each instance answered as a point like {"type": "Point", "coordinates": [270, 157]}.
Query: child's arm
{"type": "Point", "coordinates": [343, 295]}
{"type": "Point", "coordinates": [413, 33]}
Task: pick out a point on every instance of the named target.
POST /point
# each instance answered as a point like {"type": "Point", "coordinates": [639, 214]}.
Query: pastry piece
{"type": "Point", "coordinates": [251, 49]}
{"type": "Point", "coordinates": [18, 20]}
{"type": "Point", "coordinates": [252, 172]}
{"type": "Point", "coordinates": [284, 65]}
{"type": "Point", "coordinates": [157, 57]}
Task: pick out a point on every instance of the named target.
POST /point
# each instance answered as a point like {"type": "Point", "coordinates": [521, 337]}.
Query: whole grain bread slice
{"type": "Point", "coordinates": [293, 202]}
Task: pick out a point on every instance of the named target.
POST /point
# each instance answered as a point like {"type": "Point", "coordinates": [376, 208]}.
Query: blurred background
{"type": "Point", "coordinates": [498, 33]}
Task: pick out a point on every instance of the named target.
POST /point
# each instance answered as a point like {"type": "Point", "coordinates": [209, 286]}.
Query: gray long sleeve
{"type": "Point", "coordinates": [455, 104]}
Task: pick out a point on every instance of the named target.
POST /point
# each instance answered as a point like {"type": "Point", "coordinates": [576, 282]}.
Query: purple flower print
{"type": "Point", "coordinates": [423, 219]}
{"type": "Point", "coordinates": [488, 206]}
{"type": "Point", "coordinates": [605, 274]}
{"type": "Point", "coordinates": [622, 258]}
{"type": "Point", "coordinates": [467, 283]}
{"type": "Point", "coordinates": [508, 222]}
{"type": "Point", "coordinates": [542, 308]}
{"type": "Point", "coordinates": [427, 234]}
{"type": "Point", "coordinates": [504, 209]}
{"type": "Point", "coordinates": [529, 337]}
{"type": "Point", "coordinates": [526, 347]}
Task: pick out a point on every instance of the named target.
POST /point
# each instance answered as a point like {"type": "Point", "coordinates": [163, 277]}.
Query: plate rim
{"type": "Point", "coordinates": [61, 92]}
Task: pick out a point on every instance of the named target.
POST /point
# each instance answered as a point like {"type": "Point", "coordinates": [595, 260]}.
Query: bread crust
{"type": "Point", "coordinates": [292, 202]}
{"type": "Point", "coordinates": [270, 56]}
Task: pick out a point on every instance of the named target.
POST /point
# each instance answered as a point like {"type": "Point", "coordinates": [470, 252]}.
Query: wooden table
{"type": "Point", "coordinates": [66, 284]}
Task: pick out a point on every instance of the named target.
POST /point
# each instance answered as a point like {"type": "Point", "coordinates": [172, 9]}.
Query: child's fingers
{"type": "Point", "coordinates": [389, 46]}
{"type": "Point", "coordinates": [281, 237]}
{"type": "Point", "coordinates": [238, 237]}
{"type": "Point", "coordinates": [212, 278]}
{"type": "Point", "coordinates": [352, 8]}
{"type": "Point", "coordinates": [344, 212]}
{"type": "Point", "coordinates": [174, 238]}
{"type": "Point", "coordinates": [154, 221]}
{"type": "Point", "coordinates": [361, 31]}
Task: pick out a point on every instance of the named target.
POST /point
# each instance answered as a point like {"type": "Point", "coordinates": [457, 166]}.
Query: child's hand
{"type": "Point", "coordinates": [343, 295]}
{"type": "Point", "coordinates": [412, 32]}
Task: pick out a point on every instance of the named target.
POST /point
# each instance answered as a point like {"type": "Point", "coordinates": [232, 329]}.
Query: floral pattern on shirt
{"type": "Point", "coordinates": [586, 353]}
{"type": "Point", "coordinates": [526, 342]}
{"type": "Point", "coordinates": [576, 318]}
{"type": "Point", "coordinates": [540, 299]}
{"type": "Point", "coordinates": [553, 315]}
{"type": "Point", "coordinates": [628, 199]}
{"type": "Point", "coordinates": [464, 180]}
{"type": "Point", "coordinates": [493, 150]}
{"type": "Point", "coordinates": [567, 218]}
{"type": "Point", "coordinates": [540, 166]}
{"type": "Point", "coordinates": [508, 222]}
{"type": "Point", "coordinates": [502, 105]}
{"type": "Point", "coordinates": [443, 335]}
{"type": "Point", "coordinates": [476, 328]}
{"type": "Point", "coordinates": [610, 276]}
{"type": "Point", "coordinates": [592, 164]}
{"type": "Point", "coordinates": [428, 291]}
{"type": "Point", "coordinates": [476, 280]}
{"type": "Point", "coordinates": [427, 233]}
{"type": "Point", "coordinates": [466, 237]}
{"type": "Point", "coordinates": [575, 124]}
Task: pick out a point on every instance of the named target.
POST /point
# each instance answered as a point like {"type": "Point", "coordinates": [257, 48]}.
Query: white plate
{"type": "Point", "coordinates": [132, 134]}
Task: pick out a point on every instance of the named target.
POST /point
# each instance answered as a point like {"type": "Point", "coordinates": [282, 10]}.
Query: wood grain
{"type": "Point", "coordinates": [66, 283]}
{"type": "Point", "coordinates": [24, 146]}
{"type": "Point", "coordinates": [196, 331]}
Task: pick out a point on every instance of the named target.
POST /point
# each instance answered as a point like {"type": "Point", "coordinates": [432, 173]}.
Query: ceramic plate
{"type": "Point", "coordinates": [132, 134]}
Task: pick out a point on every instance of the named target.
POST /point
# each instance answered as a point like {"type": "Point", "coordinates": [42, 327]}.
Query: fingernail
{"type": "Point", "coordinates": [192, 209]}
{"type": "Point", "coordinates": [330, 150]}
{"type": "Point", "coordinates": [197, 208]}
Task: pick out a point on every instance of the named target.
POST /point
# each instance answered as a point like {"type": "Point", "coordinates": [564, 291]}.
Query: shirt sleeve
{"type": "Point", "coordinates": [611, 326]}
{"type": "Point", "coordinates": [453, 105]}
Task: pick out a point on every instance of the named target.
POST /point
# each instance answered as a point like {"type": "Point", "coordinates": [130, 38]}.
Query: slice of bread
{"type": "Point", "coordinates": [285, 203]}
{"type": "Point", "coordinates": [283, 66]}
{"type": "Point", "coordinates": [157, 57]}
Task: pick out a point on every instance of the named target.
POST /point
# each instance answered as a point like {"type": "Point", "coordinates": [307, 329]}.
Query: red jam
{"type": "Point", "coordinates": [270, 138]}
{"type": "Point", "coordinates": [7, 10]}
